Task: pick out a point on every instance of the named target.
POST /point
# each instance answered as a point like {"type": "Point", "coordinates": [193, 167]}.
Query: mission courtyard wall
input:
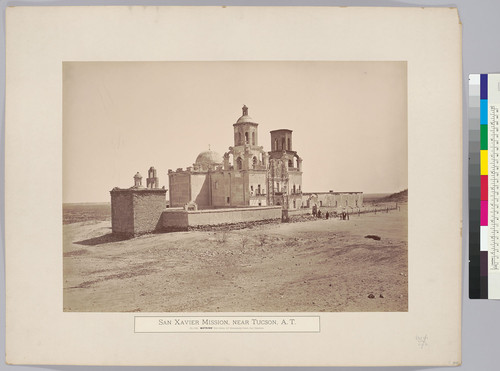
{"type": "Point", "coordinates": [179, 219]}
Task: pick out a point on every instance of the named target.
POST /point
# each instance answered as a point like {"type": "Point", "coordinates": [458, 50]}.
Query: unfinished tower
{"type": "Point", "coordinates": [285, 171]}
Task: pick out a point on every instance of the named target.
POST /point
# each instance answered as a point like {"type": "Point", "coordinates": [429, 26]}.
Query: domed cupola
{"type": "Point", "coordinates": [245, 119]}
{"type": "Point", "coordinates": [208, 160]}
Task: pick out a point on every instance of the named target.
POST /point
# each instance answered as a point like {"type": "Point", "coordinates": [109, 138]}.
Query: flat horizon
{"type": "Point", "coordinates": [109, 202]}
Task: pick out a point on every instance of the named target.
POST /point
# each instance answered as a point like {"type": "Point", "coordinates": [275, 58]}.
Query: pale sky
{"type": "Point", "coordinates": [349, 120]}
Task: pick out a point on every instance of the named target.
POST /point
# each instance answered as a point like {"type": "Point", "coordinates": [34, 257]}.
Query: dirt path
{"type": "Point", "coordinates": [314, 266]}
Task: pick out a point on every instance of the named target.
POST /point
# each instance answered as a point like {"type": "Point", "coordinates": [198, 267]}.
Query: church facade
{"type": "Point", "coordinates": [246, 175]}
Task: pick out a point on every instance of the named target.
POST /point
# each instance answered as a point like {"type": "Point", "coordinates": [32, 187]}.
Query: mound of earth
{"type": "Point", "coordinates": [397, 197]}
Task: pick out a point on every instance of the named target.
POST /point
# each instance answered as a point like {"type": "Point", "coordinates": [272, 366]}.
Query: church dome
{"type": "Point", "coordinates": [245, 118]}
{"type": "Point", "coordinates": [208, 158]}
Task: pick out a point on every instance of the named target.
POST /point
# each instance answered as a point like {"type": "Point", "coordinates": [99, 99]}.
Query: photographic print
{"type": "Point", "coordinates": [209, 180]}
{"type": "Point", "coordinates": [235, 187]}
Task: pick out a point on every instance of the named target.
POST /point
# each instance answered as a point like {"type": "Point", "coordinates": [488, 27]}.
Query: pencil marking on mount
{"type": "Point", "coordinates": [422, 341]}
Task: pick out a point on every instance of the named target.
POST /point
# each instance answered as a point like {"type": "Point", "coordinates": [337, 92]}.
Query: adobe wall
{"type": "Point", "coordinates": [228, 216]}
{"type": "Point", "coordinates": [237, 189]}
{"type": "Point", "coordinates": [200, 190]}
{"type": "Point", "coordinates": [122, 213]}
{"type": "Point", "coordinates": [220, 189]}
{"type": "Point", "coordinates": [229, 184]}
{"type": "Point", "coordinates": [179, 188]}
{"type": "Point", "coordinates": [148, 207]}
{"type": "Point", "coordinates": [333, 199]}
{"type": "Point", "coordinates": [297, 212]}
{"type": "Point", "coordinates": [172, 220]}
{"type": "Point", "coordinates": [136, 211]}
{"type": "Point", "coordinates": [254, 180]}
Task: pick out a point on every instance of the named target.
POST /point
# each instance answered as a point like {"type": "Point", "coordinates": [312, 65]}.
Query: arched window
{"type": "Point", "coordinates": [276, 144]}
{"type": "Point", "coordinates": [239, 163]}
{"type": "Point", "coordinates": [290, 163]}
{"type": "Point", "coordinates": [254, 162]}
{"type": "Point", "coordinates": [253, 138]}
{"type": "Point", "coordinates": [246, 137]}
{"type": "Point", "coordinates": [289, 146]}
{"type": "Point", "coordinates": [283, 143]}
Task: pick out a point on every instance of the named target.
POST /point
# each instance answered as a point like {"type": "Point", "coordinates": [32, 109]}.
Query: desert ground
{"type": "Point", "coordinates": [308, 266]}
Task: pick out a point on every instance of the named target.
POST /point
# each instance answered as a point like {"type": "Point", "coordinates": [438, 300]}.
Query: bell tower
{"type": "Point", "coordinates": [285, 172]}
{"type": "Point", "coordinates": [245, 130]}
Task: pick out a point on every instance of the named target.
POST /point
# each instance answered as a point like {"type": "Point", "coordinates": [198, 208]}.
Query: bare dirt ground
{"type": "Point", "coordinates": [312, 266]}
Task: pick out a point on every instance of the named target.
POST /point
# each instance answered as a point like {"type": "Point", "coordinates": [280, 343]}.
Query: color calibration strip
{"type": "Point", "coordinates": [484, 195]}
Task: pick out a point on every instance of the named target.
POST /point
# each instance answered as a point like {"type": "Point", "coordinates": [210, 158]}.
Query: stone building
{"type": "Point", "coordinates": [246, 175]}
{"type": "Point", "coordinates": [137, 210]}
{"type": "Point", "coordinates": [340, 200]}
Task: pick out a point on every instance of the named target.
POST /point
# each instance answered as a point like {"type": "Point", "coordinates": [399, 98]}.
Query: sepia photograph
{"type": "Point", "coordinates": [230, 186]}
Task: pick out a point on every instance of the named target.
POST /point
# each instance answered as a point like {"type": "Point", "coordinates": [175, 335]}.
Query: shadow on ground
{"type": "Point", "coordinates": [107, 238]}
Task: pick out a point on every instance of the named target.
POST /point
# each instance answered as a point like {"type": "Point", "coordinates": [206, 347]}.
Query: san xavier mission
{"type": "Point", "coordinates": [247, 184]}
{"type": "Point", "coordinates": [237, 234]}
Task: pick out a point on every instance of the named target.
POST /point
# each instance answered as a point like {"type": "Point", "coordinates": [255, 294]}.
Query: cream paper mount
{"type": "Point", "coordinates": [41, 40]}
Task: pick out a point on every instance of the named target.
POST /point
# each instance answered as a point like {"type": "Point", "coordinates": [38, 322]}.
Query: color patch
{"type": "Point", "coordinates": [484, 162]}
{"type": "Point", "coordinates": [484, 238]}
{"type": "Point", "coordinates": [484, 213]}
{"type": "Point", "coordinates": [483, 118]}
{"type": "Point", "coordinates": [484, 137]}
{"type": "Point", "coordinates": [483, 261]}
{"type": "Point", "coordinates": [484, 187]}
{"type": "Point", "coordinates": [484, 86]}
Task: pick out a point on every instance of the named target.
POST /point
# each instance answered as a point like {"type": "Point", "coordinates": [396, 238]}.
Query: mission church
{"type": "Point", "coordinates": [246, 175]}
{"type": "Point", "coordinates": [246, 184]}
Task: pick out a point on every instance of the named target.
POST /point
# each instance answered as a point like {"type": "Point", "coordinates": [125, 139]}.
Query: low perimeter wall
{"type": "Point", "coordinates": [178, 220]}
{"type": "Point", "coordinates": [301, 211]}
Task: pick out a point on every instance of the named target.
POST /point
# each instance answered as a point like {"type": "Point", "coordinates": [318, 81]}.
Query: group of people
{"type": "Point", "coordinates": [344, 216]}
{"type": "Point", "coordinates": [317, 213]}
